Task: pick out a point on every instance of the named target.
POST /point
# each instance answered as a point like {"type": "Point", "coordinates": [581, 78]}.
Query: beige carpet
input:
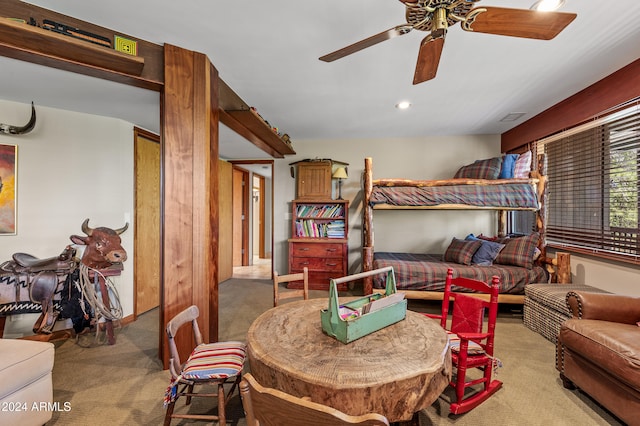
{"type": "Point", "coordinates": [124, 384]}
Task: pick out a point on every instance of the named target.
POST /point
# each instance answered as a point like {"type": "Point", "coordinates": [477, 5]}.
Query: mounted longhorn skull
{"type": "Point", "coordinates": [9, 129]}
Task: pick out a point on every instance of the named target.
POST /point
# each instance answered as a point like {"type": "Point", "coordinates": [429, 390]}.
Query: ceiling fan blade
{"type": "Point", "coordinates": [367, 42]}
{"type": "Point", "coordinates": [517, 22]}
{"type": "Point", "coordinates": [428, 59]}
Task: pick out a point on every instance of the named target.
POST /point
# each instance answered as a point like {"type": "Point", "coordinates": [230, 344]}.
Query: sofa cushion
{"type": "Point", "coordinates": [612, 346]}
{"type": "Point", "coordinates": [23, 362]}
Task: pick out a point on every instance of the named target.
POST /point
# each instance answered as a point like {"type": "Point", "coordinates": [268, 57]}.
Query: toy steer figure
{"type": "Point", "coordinates": [32, 285]}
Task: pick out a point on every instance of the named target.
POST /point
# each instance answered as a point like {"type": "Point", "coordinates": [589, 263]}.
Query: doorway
{"type": "Point", "coordinates": [146, 271]}
{"type": "Point", "coordinates": [257, 221]}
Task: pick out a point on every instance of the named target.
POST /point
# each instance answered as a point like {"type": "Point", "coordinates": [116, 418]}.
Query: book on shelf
{"type": "Point", "coordinates": [320, 211]}
{"type": "Point", "coordinates": [312, 228]}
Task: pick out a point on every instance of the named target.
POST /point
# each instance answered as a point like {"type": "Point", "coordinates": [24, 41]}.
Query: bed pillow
{"type": "Point", "coordinates": [481, 169]}
{"type": "Point", "coordinates": [522, 167]}
{"type": "Point", "coordinates": [487, 252]}
{"type": "Point", "coordinates": [461, 251]}
{"type": "Point", "coordinates": [508, 166]}
{"type": "Point", "coordinates": [519, 251]}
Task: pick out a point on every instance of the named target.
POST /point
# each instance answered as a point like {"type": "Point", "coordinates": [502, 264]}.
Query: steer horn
{"type": "Point", "coordinates": [121, 230]}
{"type": "Point", "coordinates": [89, 231]}
{"type": "Point", "coordinates": [85, 227]}
{"type": "Point", "coordinates": [8, 129]}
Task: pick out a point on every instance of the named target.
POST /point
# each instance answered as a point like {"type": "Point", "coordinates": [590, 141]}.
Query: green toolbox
{"type": "Point", "coordinates": [357, 318]}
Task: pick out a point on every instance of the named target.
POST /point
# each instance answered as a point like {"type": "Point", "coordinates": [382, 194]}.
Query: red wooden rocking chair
{"type": "Point", "coordinates": [471, 338]}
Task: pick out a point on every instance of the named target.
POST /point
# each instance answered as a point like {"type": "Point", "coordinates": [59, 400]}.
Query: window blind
{"type": "Point", "coordinates": [593, 183]}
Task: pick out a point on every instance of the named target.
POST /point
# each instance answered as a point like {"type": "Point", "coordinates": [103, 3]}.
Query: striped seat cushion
{"type": "Point", "coordinates": [215, 361]}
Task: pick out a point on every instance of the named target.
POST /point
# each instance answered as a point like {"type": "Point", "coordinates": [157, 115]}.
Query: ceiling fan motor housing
{"type": "Point", "coordinates": [433, 15]}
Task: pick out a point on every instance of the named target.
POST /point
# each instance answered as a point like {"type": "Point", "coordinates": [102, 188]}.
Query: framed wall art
{"type": "Point", "coordinates": [8, 189]}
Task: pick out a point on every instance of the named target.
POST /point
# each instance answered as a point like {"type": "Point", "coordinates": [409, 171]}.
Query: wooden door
{"type": "Point", "coordinates": [147, 221]}
{"type": "Point", "coordinates": [225, 232]}
{"type": "Point", "coordinates": [240, 217]}
{"type": "Point", "coordinates": [260, 213]}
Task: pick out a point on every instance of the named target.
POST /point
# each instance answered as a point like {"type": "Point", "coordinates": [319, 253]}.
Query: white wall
{"type": "Point", "coordinates": [615, 277]}
{"type": "Point", "coordinates": [71, 167]}
{"type": "Point", "coordinates": [437, 157]}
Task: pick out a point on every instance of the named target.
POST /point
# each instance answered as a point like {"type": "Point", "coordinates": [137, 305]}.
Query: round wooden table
{"type": "Point", "coordinates": [396, 371]}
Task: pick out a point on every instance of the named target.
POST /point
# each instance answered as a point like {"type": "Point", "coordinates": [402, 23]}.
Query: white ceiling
{"type": "Point", "coordinates": [267, 52]}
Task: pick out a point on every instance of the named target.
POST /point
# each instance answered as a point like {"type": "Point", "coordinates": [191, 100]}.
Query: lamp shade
{"type": "Point", "coordinates": [340, 173]}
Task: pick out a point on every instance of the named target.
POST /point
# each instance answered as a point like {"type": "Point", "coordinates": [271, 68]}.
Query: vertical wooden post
{"type": "Point", "coordinates": [541, 214]}
{"type": "Point", "coordinates": [367, 225]}
{"type": "Point", "coordinates": [502, 223]}
{"type": "Point", "coordinates": [189, 151]}
{"type": "Point", "coordinates": [563, 261]}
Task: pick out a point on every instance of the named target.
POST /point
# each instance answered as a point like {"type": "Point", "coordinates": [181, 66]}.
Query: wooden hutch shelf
{"type": "Point", "coordinates": [319, 231]}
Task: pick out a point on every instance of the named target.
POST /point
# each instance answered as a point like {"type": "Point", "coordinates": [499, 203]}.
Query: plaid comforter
{"type": "Point", "coordinates": [416, 271]}
{"type": "Point", "coordinates": [490, 194]}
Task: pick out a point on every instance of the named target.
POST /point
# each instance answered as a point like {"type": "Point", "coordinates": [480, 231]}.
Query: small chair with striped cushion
{"type": "Point", "coordinates": [209, 363]}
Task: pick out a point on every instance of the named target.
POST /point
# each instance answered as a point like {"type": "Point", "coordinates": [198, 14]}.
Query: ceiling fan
{"type": "Point", "coordinates": [436, 16]}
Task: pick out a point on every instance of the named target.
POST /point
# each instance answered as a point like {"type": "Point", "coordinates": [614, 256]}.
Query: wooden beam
{"type": "Point", "coordinates": [32, 44]}
{"type": "Point", "coordinates": [243, 131]}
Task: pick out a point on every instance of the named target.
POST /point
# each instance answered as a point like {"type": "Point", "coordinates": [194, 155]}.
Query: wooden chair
{"type": "Point", "coordinates": [471, 338]}
{"type": "Point", "coordinates": [278, 279]}
{"type": "Point", "coordinates": [271, 407]}
{"type": "Point", "coordinates": [209, 363]}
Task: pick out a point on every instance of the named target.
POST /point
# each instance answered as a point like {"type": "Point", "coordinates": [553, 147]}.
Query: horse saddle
{"type": "Point", "coordinates": [26, 263]}
{"type": "Point", "coordinates": [42, 279]}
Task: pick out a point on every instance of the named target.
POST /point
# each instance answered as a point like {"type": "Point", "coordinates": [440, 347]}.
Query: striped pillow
{"type": "Point", "coordinates": [519, 251]}
{"type": "Point", "coordinates": [481, 169]}
{"type": "Point", "coordinates": [522, 166]}
{"type": "Point", "coordinates": [461, 251]}
{"type": "Point", "coordinates": [215, 360]}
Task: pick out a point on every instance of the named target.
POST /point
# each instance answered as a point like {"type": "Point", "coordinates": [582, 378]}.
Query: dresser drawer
{"type": "Point", "coordinates": [316, 264]}
{"type": "Point", "coordinates": [317, 250]}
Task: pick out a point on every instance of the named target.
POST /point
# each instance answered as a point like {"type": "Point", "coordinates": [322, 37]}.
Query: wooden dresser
{"type": "Point", "coordinates": [319, 241]}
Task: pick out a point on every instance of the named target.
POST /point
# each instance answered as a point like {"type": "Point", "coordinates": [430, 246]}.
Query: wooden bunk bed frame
{"type": "Point", "coordinates": [538, 177]}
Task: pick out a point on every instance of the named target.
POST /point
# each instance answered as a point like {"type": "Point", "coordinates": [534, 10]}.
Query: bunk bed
{"type": "Point", "coordinates": [422, 276]}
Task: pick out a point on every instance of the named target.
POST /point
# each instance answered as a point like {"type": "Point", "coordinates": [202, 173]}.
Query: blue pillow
{"type": "Point", "coordinates": [508, 166]}
{"type": "Point", "coordinates": [487, 252]}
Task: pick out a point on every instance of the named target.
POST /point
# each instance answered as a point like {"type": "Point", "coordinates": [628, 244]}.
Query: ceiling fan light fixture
{"type": "Point", "coordinates": [403, 105]}
{"type": "Point", "coordinates": [547, 5]}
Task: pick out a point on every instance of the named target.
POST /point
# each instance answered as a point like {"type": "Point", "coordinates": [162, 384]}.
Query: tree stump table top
{"type": "Point", "coordinates": [396, 371]}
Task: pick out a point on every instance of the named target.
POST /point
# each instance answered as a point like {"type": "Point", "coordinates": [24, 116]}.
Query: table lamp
{"type": "Point", "coordinates": [340, 174]}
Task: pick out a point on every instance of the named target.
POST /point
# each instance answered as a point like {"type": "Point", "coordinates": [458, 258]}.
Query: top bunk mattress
{"type": "Point", "coordinates": [488, 194]}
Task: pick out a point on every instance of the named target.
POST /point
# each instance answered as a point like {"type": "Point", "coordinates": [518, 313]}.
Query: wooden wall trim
{"type": "Point", "coordinates": [615, 89]}
{"type": "Point", "coordinates": [189, 158]}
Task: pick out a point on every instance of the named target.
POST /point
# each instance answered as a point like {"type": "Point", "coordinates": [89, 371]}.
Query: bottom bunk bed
{"type": "Point", "coordinates": [422, 276]}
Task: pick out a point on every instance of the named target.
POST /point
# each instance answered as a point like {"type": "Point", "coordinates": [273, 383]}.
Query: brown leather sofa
{"type": "Point", "coordinates": [598, 351]}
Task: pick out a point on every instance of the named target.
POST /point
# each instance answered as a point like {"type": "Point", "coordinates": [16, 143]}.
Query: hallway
{"type": "Point", "coordinates": [261, 269]}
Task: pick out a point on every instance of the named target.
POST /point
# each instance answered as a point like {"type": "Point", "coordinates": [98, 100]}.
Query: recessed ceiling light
{"type": "Point", "coordinates": [547, 5]}
{"type": "Point", "coordinates": [403, 105]}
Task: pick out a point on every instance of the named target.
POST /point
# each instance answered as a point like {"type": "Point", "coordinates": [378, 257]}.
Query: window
{"type": "Point", "coordinates": [593, 173]}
